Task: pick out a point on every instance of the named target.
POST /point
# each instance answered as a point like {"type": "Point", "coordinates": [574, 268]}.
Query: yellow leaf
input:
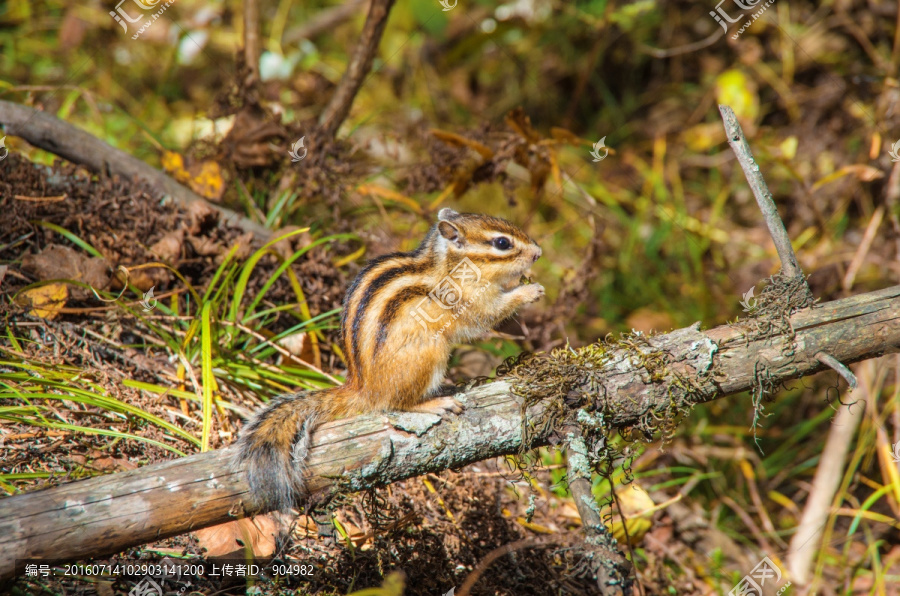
{"type": "Point", "coordinates": [538, 528]}
{"type": "Point", "coordinates": [46, 301]}
{"type": "Point", "coordinates": [702, 137]}
{"type": "Point", "coordinates": [863, 172]}
{"type": "Point", "coordinates": [637, 508]}
{"type": "Point", "coordinates": [734, 89]}
{"type": "Point", "coordinates": [206, 180]}
{"type": "Point", "coordinates": [173, 163]}
{"type": "Point", "coordinates": [789, 147]}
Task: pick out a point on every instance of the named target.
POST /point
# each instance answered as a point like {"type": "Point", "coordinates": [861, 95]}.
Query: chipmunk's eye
{"type": "Point", "coordinates": [501, 243]}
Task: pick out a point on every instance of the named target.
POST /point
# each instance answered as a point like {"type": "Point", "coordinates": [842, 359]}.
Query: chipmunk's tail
{"type": "Point", "coordinates": [273, 449]}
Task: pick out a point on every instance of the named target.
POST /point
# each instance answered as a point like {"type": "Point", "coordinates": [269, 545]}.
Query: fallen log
{"type": "Point", "coordinates": [104, 515]}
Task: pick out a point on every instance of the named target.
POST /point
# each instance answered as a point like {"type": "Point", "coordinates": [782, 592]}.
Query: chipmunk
{"type": "Point", "coordinates": [400, 319]}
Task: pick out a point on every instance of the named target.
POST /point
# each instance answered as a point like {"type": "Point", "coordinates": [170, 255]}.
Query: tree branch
{"type": "Point", "coordinates": [741, 149]}
{"type": "Point", "coordinates": [360, 64]}
{"type": "Point", "coordinates": [105, 515]}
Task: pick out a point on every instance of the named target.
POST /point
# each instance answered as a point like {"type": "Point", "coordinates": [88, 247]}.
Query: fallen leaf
{"type": "Point", "coordinates": [245, 247]}
{"type": "Point", "coordinates": [206, 180]}
{"type": "Point", "coordinates": [300, 346]}
{"type": "Point", "coordinates": [306, 527]}
{"type": "Point", "coordinates": [250, 140]}
{"type": "Point", "coordinates": [635, 504]}
{"type": "Point", "coordinates": [173, 164]}
{"type": "Point", "coordinates": [737, 90]}
{"type": "Point", "coordinates": [62, 262]}
{"type": "Point", "coordinates": [112, 464]}
{"type": "Point", "coordinates": [72, 30]}
{"type": "Point", "coordinates": [45, 301]}
{"type": "Point", "coordinates": [205, 247]}
{"type": "Point", "coordinates": [861, 171]}
{"type": "Point", "coordinates": [152, 277]}
{"type": "Point", "coordinates": [229, 539]}
{"type": "Point", "coordinates": [203, 217]}
{"type": "Point", "coordinates": [169, 247]}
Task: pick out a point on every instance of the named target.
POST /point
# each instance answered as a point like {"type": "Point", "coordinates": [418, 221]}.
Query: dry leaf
{"type": "Point", "coordinates": [251, 137]}
{"type": "Point", "coordinates": [519, 121]}
{"type": "Point", "coordinates": [62, 262]}
{"type": "Point", "coordinates": [152, 277]}
{"type": "Point", "coordinates": [862, 172]}
{"type": "Point", "coordinates": [169, 247]}
{"type": "Point", "coordinates": [206, 180]}
{"type": "Point", "coordinates": [205, 247]}
{"type": "Point", "coordinates": [245, 247]}
{"type": "Point", "coordinates": [173, 164]}
{"type": "Point", "coordinates": [45, 301]}
{"type": "Point", "coordinates": [300, 346]}
{"type": "Point", "coordinates": [635, 503]}
{"type": "Point", "coordinates": [229, 539]}
{"type": "Point", "coordinates": [72, 30]}
{"type": "Point", "coordinates": [203, 217]}
{"type": "Point", "coordinates": [112, 464]}
{"type": "Point", "coordinates": [305, 527]}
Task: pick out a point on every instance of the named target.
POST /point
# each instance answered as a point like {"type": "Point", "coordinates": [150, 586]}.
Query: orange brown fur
{"type": "Point", "coordinates": [401, 317]}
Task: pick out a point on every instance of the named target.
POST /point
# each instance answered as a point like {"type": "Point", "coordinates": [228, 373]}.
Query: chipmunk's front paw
{"type": "Point", "coordinates": [530, 293]}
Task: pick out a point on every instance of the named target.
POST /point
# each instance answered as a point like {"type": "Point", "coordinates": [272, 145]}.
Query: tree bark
{"type": "Point", "coordinates": [99, 516]}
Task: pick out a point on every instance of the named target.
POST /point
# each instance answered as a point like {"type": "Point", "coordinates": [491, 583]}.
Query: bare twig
{"type": "Point", "coordinates": [738, 142]}
{"type": "Point", "coordinates": [251, 41]}
{"type": "Point", "coordinates": [838, 367]}
{"type": "Point", "coordinates": [360, 64]}
{"type": "Point", "coordinates": [685, 49]}
{"type": "Point", "coordinates": [324, 21]}
{"type": "Point", "coordinates": [69, 142]}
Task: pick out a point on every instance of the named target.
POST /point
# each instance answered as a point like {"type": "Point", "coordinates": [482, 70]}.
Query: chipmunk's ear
{"type": "Point", "coordinates": [449, 231]}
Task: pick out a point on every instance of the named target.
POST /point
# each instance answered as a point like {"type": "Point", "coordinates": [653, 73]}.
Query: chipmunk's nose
{"type": "Point", "coordinates": [537, 255]}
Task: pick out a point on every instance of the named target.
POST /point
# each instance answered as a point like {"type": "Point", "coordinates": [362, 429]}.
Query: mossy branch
{"type": "Point", "coordinates": [643, 383]}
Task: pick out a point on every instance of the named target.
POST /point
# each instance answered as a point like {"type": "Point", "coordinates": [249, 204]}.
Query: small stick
{"type": "Point", "coordinates": [738, 142]}
{"type": "Point", "coordinates": [839, 367]}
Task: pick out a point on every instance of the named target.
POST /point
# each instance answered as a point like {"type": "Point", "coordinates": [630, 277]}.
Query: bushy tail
{"type": "Point", "coordinates": [273, 448]}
